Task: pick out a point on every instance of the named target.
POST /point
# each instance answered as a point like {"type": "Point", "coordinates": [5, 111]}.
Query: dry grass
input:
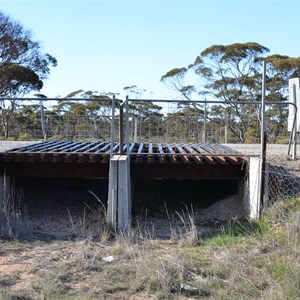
{"type": "Point", "coordinates": [13, 216]}
{"type": "Point", "coordinates": [257, 260]}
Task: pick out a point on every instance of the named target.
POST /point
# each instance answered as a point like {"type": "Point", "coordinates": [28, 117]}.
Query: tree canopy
{"type": "Point", "coordinates": [23, 66]}
{"type": "Point", "coordinates": [233, 73]}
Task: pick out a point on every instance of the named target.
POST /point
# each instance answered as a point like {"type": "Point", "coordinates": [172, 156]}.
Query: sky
{"type": "Point", "coordinates": [104, 46]}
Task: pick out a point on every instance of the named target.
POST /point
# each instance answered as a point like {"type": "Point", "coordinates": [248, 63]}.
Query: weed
{"type": "Point", "coordinates": [183, 227]}
{"type": "Point", "coordinates": [94, 226]}
{"type": "Point", "coordinates": [9, 280]}
{"type": "Point", "coordinates": [249, 260]}
{"type": "Point", "coordinates": [13, 215]}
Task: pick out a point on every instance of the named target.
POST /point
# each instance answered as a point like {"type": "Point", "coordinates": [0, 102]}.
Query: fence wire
{"type": "Point", "coordinates": [235, 124]}
{"type": "Point", "coordinates": [283, 177]}
{"type": "Point", "coordinates": [57, 119]}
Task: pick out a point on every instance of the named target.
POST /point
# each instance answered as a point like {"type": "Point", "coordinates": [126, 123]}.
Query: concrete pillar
{"type": "Point", "coordinates": [119, 194]}
{"type": "Point", "coordinates": [251, 197]}
{"type": "Point", "coordinates": [124, 195]}
{"type": "Point", "coordinates": [112, 192]}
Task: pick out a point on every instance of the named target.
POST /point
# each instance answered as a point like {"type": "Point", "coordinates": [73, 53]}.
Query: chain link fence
{"type": "Point", "coordinates": [282, 178]}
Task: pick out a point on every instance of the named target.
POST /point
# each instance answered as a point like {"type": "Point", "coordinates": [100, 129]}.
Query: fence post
{"type": "Point", "coordinates": [204, 125]}
{"type": "Point", "coordinates": [43, 120]}
{"type": "Point", "coordinates": [121, 129]}
{"type": "Point", "coordinates": [263, 138]}
{"type": "Point", "coordinates": [112, 133]}
{"type": "Point", "coordinates": [135, 138]}
{"type": "Point", "coordinates": [294, 154]}
{"type": "Point", "coordinates": [127, 127]}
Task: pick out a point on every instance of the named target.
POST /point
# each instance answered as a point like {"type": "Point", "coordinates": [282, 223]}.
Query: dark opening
{"type": "Point", "coordinates": [156, 195]}
{"type": "Point", "coordinates": [64, 208]}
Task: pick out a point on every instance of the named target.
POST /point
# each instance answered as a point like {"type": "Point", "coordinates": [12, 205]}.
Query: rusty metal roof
{"type": "Point", "coordinates": [93, 152]}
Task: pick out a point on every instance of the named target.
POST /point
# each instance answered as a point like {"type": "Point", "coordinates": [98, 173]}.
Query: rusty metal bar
{"type": "Point", "coordinates": [196, 158]}
{"type": "Point", "coordinates": [139, 155]}
{"type": "Point", "coordinates": [162, 157]}
{"type": "Point", "coordinates": [173, 156]}
{"type": "Point", "coordinates": [150, 153]}
{"type": "Point", "coordinates": [183, 157]}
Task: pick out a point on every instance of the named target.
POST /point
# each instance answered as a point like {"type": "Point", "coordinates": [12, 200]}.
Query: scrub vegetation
{"type": "Point", "coordinates": [248, 260]}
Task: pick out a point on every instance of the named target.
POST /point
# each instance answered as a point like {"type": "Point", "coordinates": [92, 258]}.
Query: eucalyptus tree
{"type": "Point", "coordinates": [280, 68]}
{"type": "Point", "coordinates": [23, 66]}
{"type": "Point", "coordinates": [86, 114]}
{"type": "Point", "coordinates": [145, 116]}
{"type": "Point", "coordinates": [233, 73]}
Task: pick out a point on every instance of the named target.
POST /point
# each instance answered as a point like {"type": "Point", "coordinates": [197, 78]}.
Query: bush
{"type": "Point", "coordinates": [24, 137]}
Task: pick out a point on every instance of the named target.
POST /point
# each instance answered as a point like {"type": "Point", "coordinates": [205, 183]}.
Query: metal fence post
{"type": "Point", "coordinates": [112, 133]}
{"type": "Point", "coordinates": [43, 120]}
{"type": "Point", "coordinates": [127, 127]}
{"type": "Point", "coordinates": [121, 129]}
{"type": "Point", "coordinates": [263, 137]}
{"type": "Point", "coordinates": [204, 125]}
{"type": "Point", "coordinates": [294, 154]}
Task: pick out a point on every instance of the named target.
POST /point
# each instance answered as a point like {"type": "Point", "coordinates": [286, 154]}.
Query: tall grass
{"type": "Point", "coordinates": [14, 221]}
{"type": "Point", "coordinates": [92, 224]}
{"type": "Point", "coordinates": [248, 260]}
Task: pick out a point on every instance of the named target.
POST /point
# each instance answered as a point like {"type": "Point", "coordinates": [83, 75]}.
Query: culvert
{"type": "Point", "coordinates": [183, 171]}
{"type": "Point", "coordinates": [63, 208]}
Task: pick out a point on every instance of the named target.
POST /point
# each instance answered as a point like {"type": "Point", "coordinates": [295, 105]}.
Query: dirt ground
{"type": "Point", "coordinates": [59, 211]}
{"type": "Point", "coordinates": [66, 209]}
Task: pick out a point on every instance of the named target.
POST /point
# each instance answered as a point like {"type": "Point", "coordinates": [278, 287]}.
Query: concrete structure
{"type": "Point", "coordinates": [144, 161]}
{"type": "Point", "coordinates": [251, 189]}
{"type": "Point", "coordinates": [251, 195]}
{"type": "Point", "coordinates": [119, 194]}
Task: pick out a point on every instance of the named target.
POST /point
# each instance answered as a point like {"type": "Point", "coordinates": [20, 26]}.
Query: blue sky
{"type": "Point", "coordinates": [106, 45]}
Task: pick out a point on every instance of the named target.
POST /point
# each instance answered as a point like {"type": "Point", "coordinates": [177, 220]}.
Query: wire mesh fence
{"type": "Point", "coordinates": [283, 177]}
{"type": "Point", "coordinates": [155, 121]}
{"type": "Point", "coordinates": [236, 124]}
{"type": "Point", "coordinates": [57, 119]}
